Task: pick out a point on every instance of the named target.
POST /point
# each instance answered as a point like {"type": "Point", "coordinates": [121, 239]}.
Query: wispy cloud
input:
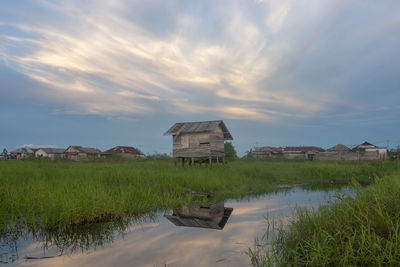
{"type": "Point", "coordinates": [35, 146]}
{"type": "Point", "coordinates": [99, 60]}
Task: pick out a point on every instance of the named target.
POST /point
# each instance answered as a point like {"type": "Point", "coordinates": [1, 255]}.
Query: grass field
{"type": "Point", "coordinates": [363, 230]}
{"type": "Point", "coordinates": [50, 195]}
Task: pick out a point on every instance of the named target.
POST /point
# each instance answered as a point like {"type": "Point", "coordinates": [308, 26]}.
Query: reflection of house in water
{"type": "Point", "coordinates": [205, 215]}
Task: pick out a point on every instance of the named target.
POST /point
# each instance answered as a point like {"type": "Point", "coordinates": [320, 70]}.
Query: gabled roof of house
{"type": "Point", "coordinates": [123, 149]}
{"type": "Point", "coordinates": [87, 150]}
{"type": "Point", "coordinates": [338, 147]}
{"type": "Point", "coordinates": [365, 145]}
{"type": "Point", "coordinates": [302, 149]}
{"type": "Point", "coordinates": [52, 150]}
{"type": "Point", "coordinates": [198, 127]}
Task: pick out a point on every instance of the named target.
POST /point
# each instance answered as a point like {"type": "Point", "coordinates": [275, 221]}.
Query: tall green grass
{"type": "Point", "coordinates": [52, 195]}
{"type": "Point", "coordinates": [363, 230]}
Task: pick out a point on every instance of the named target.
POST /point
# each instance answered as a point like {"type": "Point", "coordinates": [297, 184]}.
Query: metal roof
{"type": "Point", "coordinates": [52, 150]}
{"type": "Point", "coordinates": [339, 147]}
{"type": "Point", "coordinates": [365, 145]}
{"type": "Point", "coordinates": [91, 150]}
{"type": "Point", "coordinates": [198, 127]}
{"type": "Point", "coordinates": [88, 150]}
{"type": "Point", "coordinates": [123, 149]}
{"type": "Point", "coordinates": [302, 149]}
{"type": "Point", "coordinates": [268, 149]}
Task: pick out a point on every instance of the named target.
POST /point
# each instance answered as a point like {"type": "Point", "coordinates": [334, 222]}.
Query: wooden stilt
{"type": "Point", "coordinates": [192, 161]}
{"type": "Point", "coordinates": [210, 160]}
{"type": "Point", "coordinates": [174, 161]}
{"type": "Point", "coordinates": [183, 162]}
{"type": "Point", "coordinates": [217, 160]}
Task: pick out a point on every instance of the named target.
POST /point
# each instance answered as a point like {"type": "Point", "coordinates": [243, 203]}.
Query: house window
{"type": "Point", "coordinates": [204, 143]}
{"type": "Point", "coordinates": [177, 139]}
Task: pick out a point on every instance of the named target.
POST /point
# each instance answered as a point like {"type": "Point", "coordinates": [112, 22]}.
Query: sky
{"type": "Point", "coordinates": [101, 73]}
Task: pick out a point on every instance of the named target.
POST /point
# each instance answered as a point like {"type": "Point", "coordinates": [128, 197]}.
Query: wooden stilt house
{"type": "Point", "coordinates": [199, 141]}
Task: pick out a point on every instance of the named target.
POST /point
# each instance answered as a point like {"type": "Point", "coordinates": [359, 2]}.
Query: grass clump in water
{"type": "Point", "coordinates": [363, 230]}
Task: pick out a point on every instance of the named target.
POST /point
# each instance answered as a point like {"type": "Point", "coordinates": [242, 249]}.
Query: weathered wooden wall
{"type": "Point", "coordinates": [199, 144]}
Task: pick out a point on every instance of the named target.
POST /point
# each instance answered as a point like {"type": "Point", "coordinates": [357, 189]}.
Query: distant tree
{"type": "Point", "coordinates": [230, 152]}
{"type": "Point", "coordinates": [5, 152]}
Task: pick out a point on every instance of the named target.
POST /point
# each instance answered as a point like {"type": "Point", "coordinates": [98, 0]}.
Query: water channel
{"type": "Point", "coordinates": [189, 236]}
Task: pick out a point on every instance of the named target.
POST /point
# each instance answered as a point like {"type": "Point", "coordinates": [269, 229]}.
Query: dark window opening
{"type": "Point", "coordinates": [177, 139]}
{"type": "Point", "coordinates": [204, 143]}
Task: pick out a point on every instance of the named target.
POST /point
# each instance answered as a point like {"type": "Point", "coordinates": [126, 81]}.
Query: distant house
{"type": "Point", "coordinates": [338, 152]}
{"type": "Point", "coordinates": [78, 153]}
{"type": "Point", "coordinates": [127, 152]}
{"type": "Point", "coordinates": [290, 152]}
{"type": "Point", "coordinates": [266, 152]}
{"type": "Point", "coordinates": [22, 152]}
{"type": "Point", "coordinates": [367, 150]}
{"type": "Point", "coordinates": [365, 146]}
{"type": "Point", "coordinates": [50, 153]}
{"type": "Point", "coordinates": [339, 148]}
{"type": "Point", "coordinates": [302, 152]}
{"type": "Point", "coordinates": [364, 151]}
{"type": "Point", "coordinates": [197, 140]}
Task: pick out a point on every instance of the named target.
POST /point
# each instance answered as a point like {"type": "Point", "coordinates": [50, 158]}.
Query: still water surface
{"type": "Point", "coordinates": [158, 242]}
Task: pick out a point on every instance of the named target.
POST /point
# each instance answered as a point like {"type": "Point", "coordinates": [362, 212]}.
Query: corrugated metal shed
{"type": "Point", "coordinates": [196, 222]}
{"type": "Point", "coordinates": [198, 127]}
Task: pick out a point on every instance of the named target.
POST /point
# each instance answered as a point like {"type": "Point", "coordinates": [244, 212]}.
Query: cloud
{"type": "Point", "coordinates": [35, 146]}
{"type": "Point", "coordinates": [278, 14]}
{"type": "Point", "coordinates": [98, 58]}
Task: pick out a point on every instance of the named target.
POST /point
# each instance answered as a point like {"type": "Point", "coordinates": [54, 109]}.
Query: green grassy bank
{"type": "Point", "coordinates": [363, 230]}
{"type": "Point", "coordinates": [56, 194]}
